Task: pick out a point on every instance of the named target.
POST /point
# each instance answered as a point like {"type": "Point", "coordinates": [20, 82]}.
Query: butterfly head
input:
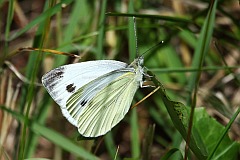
{"type": "Point", "coordinates": [138, 69]}
{"type": "Point", "coordinates": [138, 62]}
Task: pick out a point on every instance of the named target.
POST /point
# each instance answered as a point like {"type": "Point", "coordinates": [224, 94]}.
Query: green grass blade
{"type": "Point", "coordinates": [202, 47]}
{"type": "Point", "coordinates": [61, 141]}
{"type": "Point", "coordinates": [108, 139]}
{"type": "Point", "coordinates": [68, 35]}
{"type": "Point", "coordinates": [77, 15]}
{"type": "Point", "coordinates": [7, 30]}
{"type": "Point", "coordinates": [135, 144]}
{"type": "Point", "coordinates": [171, 153]}
{"type": "Point", "coordinates": [224, 133]}
{"type": "Point", "coordinates": [40, 117]}
{"type": "Point", "coordinates": [40, 18]}
{"type": "Point", "coordinates": [101, 25]}
{"type": "Point", "coordinates": [167, 18]}
{"type": "Point", "coordinates": [147, 143]}
{"type": "Point", "coordinates": [32, 71]}
{"type": "Point", "coordinates": [52, 136]}
{"type": "Point", "coordinates": [199, 57]}
{"type": "Point", "coordinates": [131, 35]}
{"type": "Point", "coordinates": [208, 68]}
{"type": "Point", "coordinates": [9, 18]}
{"type": "Point", "coordinates": [78, 12]}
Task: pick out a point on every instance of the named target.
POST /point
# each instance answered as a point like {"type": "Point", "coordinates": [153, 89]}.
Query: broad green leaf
{"type": "Point", "coordinates": [179, 115]}
{"type": "Point", "coordinates": [210, 131]}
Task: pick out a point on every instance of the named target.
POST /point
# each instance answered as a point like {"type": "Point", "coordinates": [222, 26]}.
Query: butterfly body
{"type": "Point", "coordinates": [95, 95]}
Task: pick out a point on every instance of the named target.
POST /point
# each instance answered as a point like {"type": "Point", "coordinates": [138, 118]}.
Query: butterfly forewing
{"type": "Point", "coordinates": [63, 81]}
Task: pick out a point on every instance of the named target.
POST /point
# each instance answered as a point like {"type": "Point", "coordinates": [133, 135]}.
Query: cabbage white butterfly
{"type": "Point", "coordinates": [95, 95]}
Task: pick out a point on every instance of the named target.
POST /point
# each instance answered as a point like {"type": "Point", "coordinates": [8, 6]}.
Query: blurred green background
{"type": "Point", "coordinates": [198, 65]}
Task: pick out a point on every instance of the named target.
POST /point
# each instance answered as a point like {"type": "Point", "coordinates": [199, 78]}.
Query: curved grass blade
{"type": "Point", "coordinates": [78, 12]}
{"type": "Point", "coordinates": [170, 153]}
{"type": "Point", "coordinates": [224, 133]}
{"type": "Point", "coordinates": [199, 57]}
{"type": "Point", "coordinates": [52, 136]}
{"type": "Point", "coordinates": [147, 143]}
{"type": "Point", "coordinates": [167, 18]}
{"type": "Point", "coordinates": [7, 30]}
{"type": "Point", "coordinates": [109, 142]}
{"type": "Point", "coordinates": [202, 47]}
{"type": "Point", "coordinates": [40, 18]}
{"type": "Point", "coordinates": [100, 37]}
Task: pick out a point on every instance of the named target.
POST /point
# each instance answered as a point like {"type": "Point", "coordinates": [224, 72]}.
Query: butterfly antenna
{"type": "Point", "coordinates": [155, 46]}
{"type": "Point", "coordinates": [135, 33]}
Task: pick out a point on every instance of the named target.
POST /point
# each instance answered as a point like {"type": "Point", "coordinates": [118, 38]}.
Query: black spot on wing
{"type": "Point", "coordinates": [70, 88]}
{"type": "Point", "coordinates": [83, 103]}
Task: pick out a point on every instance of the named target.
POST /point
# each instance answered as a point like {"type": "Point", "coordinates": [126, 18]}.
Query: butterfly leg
{"type": "Point", "coordinates": [155, 90]}
{"type": "Point", "coordinates": [145, 84]}
{"type": "Point", "coordinates": [146, 81]}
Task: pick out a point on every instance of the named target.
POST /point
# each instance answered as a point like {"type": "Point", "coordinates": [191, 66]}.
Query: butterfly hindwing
{"type": "Point", "coordinates": [108, 106]}
{"type": "Point", "coordinates": [80, 99]}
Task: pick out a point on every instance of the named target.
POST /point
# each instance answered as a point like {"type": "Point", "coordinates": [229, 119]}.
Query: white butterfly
{"type": "Point", "coordinates": [95, 95]}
